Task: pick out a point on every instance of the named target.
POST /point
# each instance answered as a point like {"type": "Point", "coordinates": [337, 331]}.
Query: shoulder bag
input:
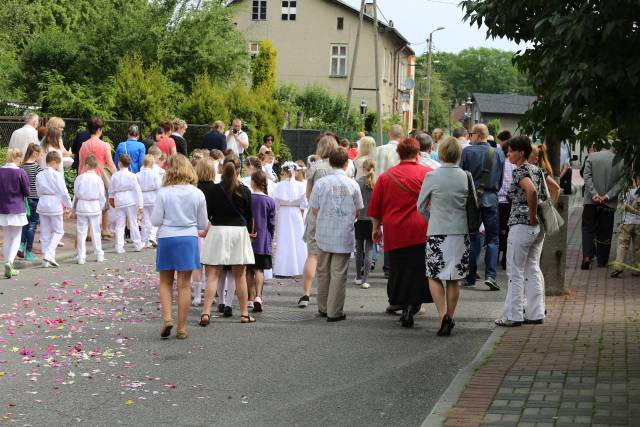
{"type": "Point", "coordinates": [401, 185]}
{"type": "Point", "coordinates": [551, 220]}
{"type": "Point", "coordinates": [474, 218]}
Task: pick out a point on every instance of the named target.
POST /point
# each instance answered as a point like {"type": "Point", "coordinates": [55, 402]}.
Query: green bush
{"type": "Point", "coordinates": [70, 175]}
{"type": "Point", "coordinates": [205, 103]}
{"type": "Point", "coordinates": [494, 127]}
{"type": "Point", "coordinates": [142, 93]}
{"type": "Point", "coordinates": [264, 67]}
{"type": "Point", "coordinates": [3, 155]}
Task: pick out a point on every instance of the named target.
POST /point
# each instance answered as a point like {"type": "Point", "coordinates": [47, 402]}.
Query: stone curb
{"type": "Point", "coordinates": [438, 414]}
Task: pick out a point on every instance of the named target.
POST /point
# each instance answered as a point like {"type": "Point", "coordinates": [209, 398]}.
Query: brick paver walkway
{"type": "Point", "coordinates": [582, 367]}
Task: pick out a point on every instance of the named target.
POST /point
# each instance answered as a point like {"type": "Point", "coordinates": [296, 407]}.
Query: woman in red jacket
{"type": "Point", "coordinates": [393, 209]}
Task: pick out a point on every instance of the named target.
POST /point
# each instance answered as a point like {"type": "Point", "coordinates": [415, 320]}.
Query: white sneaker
{"type": "Point", "coordinates": [250, 304]}
{"type": "Point", "coordinates": [153, 243]}
{"type": "Point", "coordinates": [357, 282]}
{"type": "Point", "coordinates": [138, 248]}
{"type": "Point", "coordinates": [81, 261]}
{"type": "Point", "coordinates": [51, 263]}
{"type": "Point", "coordinates": [196, 302]}
{"type": "Point", "coordinates": [100, 259]}
{"type": "Point", "coordinates": [120, 251]}
{"type": "Point", "coordinates": [365, 285]}
{"type": "Point", "coordinates": [45, 264]}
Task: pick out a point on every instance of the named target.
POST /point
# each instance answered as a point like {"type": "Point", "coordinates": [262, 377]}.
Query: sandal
{"type": "Point", "coordinates": [249, 319]}
{"type": "Point", "coordinates": [204, 322]}
{"type": "Point", "coordinates": [507, 323]}
{"type": "Point", "coordinates": [181, 335]}
{"type": "Point", "coordinates": [257, 305]}
{"type": "Point", "coordinates": [166, 329]}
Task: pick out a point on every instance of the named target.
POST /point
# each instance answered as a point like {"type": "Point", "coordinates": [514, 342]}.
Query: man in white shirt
{"type": "Point", "coordinates": [461, 135]}
{"type": "Point", "coordinates": [237, 139]}
{"type": "Point", "coordinates": [387, 155]}
{"type": "Point", "coordinates": [27, 134]}
{"type": "Point", "coordinates": [426, 145]}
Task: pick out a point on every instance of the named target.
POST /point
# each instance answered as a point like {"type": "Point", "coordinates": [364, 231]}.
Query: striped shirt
{"type": "Point", "coordinates": [32, 169]}
{"type": "Point", "coordinates": [507, 177]}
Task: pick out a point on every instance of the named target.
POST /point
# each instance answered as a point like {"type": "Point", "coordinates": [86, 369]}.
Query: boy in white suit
{"type": "Point", "coordinates": [150, 182]}
{"type": "Point", "coordinates": [88, 201]}
{"type": "Point", "coordinates": [125, 196]}
{"type": "Point", "coordinates": [54, 202]}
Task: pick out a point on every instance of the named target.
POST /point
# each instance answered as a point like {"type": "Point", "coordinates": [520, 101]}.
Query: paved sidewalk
{"type": "Point", "coordinates": [582, 367]}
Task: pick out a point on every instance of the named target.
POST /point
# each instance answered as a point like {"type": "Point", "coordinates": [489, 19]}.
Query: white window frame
{"type": "Point", "coordinates": [289, 11]}
{"type": "Point", "coordinates": [339, 57]}
{"type": "Point", "coordinates": [402, 73]}
{"type": "Point", "coordinates": [254, 48]}
{"type": "Point", "coordinates": [261, 6]}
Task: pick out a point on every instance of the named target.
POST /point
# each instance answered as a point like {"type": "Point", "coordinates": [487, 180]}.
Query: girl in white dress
{"type": "Point", "coordinates": [291, 200]}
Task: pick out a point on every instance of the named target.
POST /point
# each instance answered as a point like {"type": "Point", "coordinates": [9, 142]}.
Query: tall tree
{"type": "Point", "coordinates": [480, 70]}
{"type": "Point", "coordinates": [264, 67]}
{"type": "Point", "coordinates": [581, 61]}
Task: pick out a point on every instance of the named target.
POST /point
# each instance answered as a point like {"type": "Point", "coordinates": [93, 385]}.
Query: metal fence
{"type": "Point", "coordinates": [114, 130]}
{"type": "Point", "coordinates": [301, 142]}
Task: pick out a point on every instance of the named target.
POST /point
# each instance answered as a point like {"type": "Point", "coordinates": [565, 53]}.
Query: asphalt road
{"type": "Point", "coordinates": [80, 345]}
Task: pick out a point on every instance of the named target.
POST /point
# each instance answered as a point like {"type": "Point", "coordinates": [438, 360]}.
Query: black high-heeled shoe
{"type": "Point", "coordinates": [443, 326]}
{"type": "Point", "coordinates": [450, 324]}
{"type": "Point", "coordinates": [407, 318]}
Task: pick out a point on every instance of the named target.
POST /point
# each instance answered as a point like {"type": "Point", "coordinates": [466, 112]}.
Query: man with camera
{"type": "Point", "coordinates": [237, 139]}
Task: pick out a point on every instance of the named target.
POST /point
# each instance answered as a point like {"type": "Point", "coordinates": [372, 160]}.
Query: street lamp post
{"type": "Point", "coordinates": [363, 113]}
{"type": "Point", "coordinates": [468, 106]}
{"type": "Point", "coordinates": [427, 95]}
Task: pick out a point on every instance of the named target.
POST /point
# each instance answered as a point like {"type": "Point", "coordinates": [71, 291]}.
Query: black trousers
{"type": "Point", "coordinates": [597, 229]}
{"type": "Point", "coordinates": [565, 181]}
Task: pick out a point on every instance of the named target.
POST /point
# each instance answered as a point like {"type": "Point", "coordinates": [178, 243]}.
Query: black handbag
{"type": "Point", "coordinates": [474, 218]}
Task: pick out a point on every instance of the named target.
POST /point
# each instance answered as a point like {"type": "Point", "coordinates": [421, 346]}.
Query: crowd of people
{"type": "Point", "coordinates": [223, 222]}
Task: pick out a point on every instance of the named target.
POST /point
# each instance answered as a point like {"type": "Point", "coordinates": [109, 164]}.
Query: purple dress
{"type": "Point", "coordinates": [264, 216]}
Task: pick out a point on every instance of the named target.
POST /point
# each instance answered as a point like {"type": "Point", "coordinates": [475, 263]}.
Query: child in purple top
{"type": "Point", "coordinates": [264, 225]}
{"type": "Point", "coordinates": [15, 188]}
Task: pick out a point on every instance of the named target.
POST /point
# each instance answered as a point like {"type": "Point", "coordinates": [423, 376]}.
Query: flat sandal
{"type": "Point", "coordinates": [249, 319]}
{"type": "Point", "coordinates": [204, 322]}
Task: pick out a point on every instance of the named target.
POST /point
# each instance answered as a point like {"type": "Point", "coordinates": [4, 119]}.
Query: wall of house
{"type": "Point", "coordinates": [304, 50]}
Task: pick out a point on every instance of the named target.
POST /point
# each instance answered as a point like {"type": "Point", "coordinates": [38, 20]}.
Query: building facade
{"type": "Point", "coordinates": [315, 40]}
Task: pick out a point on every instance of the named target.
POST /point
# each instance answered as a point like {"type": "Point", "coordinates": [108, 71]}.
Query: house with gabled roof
{"type": "Point", "coordinates": [315, 40]}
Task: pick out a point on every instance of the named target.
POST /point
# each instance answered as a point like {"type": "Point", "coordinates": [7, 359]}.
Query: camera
{"type": "Point", "coordinates": [235, 131]}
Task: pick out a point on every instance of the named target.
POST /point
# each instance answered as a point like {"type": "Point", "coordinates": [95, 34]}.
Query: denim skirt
{"type": "Point", "coordinates": [178, 253]}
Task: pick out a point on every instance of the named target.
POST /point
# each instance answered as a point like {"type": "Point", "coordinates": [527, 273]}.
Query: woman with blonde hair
{"type": "Point", "coordinates": [56, 125]}
{"type": "Point", "coordinates": [366, 151]}
{"type": "Point", "coordinates": [364, 225]}
{"type": "Point", "coordinates": [180, 212]}
{"type": "Point", "coordinates": [442, 202]}
{"type": "Point", "coordinates": [326, 143]}
{"type": "Point", "coordinates": [540, 159]}
{"type": "Point", "coordinates": [438, 137]}
{"type": "Point", "coordinates": [228, 240]}
{"type": "Point", "coordinates": [13, 216]}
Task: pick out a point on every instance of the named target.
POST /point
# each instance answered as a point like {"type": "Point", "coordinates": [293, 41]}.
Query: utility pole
{"type": "Point", "coordinates": [427, 95]}
{"type": "Point", "coordinates": [377, 71]}
{"type": "Point", "coordinates": [353, 63]}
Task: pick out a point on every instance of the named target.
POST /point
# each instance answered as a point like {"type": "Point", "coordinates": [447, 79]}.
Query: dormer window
{"type": "Point", "coordinates": [289, 10]}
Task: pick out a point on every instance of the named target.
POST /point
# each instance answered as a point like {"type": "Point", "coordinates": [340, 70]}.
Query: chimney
{"type": "Point", "coordinates": [368, 8]}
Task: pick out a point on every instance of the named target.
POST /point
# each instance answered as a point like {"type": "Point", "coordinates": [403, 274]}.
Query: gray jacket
{"type": "Point", "coordinates": [602, 177]}
{"type": "Point", "coordinates": [443, 201]}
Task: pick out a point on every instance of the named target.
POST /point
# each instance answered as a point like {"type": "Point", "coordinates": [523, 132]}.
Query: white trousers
{"type": "Point", "coordinates": [148, 230]}
{"type": "Point", "coordinates": [11, 235]}
{"type": "Point", "coordinates": [124, 215]}
{"type": "Point", "coordinates": [226, 288]}
{"type": "Point", "coordinates": [83, 224]}
{"type": "Point", "coordinates": [51, 232]}
{"type": "Point", "coordinates": [526, 283]}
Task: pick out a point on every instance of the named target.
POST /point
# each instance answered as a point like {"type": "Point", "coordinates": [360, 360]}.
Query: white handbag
{"type": "Point", "coordinates": [551, 219]}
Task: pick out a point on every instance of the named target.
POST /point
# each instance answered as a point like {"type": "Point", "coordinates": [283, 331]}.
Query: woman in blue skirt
{"type": "Point", "coordinates": [180, 213]}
